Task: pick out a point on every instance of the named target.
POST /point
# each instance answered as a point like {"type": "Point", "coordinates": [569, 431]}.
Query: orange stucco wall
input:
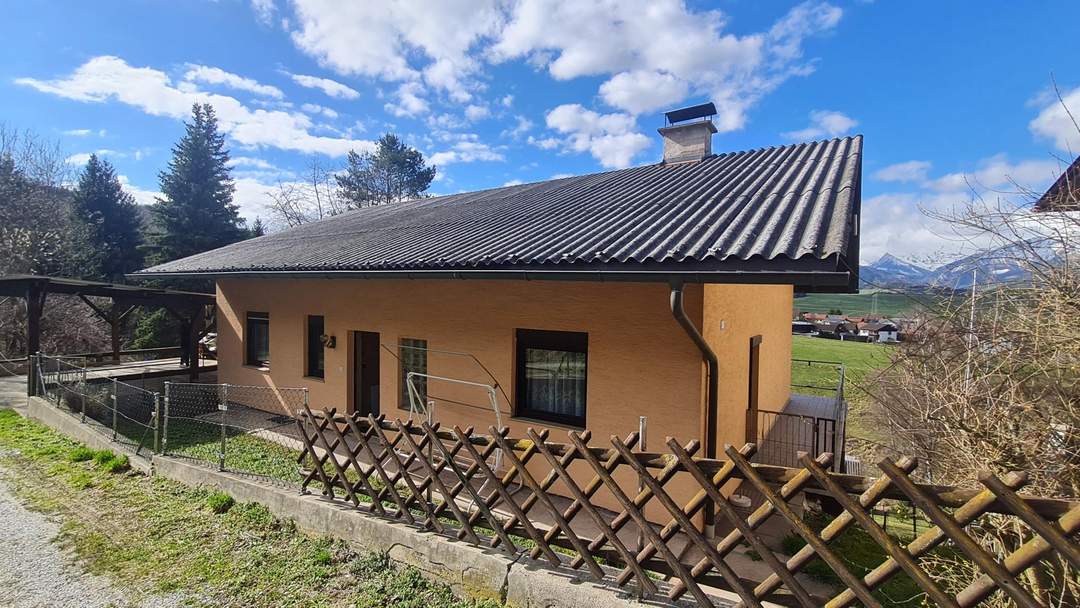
{"type": "Point", "coordinates": [732, 316]}
{"type": "Point", "coordinates": [640, 363]}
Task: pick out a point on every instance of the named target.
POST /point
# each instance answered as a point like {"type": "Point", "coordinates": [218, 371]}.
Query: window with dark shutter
{"type": "Point", "coordinates": [551, 375]}
{"type": "Point", "coordinates": [413, 355]}
{"type": "Point", "coordinates": [316, 354]}
{"type": "Point", "coordinates": [257, 339]}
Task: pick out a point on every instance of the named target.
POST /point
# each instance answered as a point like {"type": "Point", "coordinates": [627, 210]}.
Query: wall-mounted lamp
{"type": "Point", "coordinates": [328, 341]}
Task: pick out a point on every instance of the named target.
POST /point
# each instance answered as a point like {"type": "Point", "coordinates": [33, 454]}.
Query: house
{"type": "Point", "coordinates": [1064, 193]}
{"type": "Point", "coordinates": [803, 328]}
{"type": "Point", "coordinates": [662, 291]}
{"type": "Point", "coordinates": [837, 329]}
{"type": "Point", "coordinates": [880, 331]}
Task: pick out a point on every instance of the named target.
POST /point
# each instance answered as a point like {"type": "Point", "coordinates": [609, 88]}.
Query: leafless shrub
{"type": "Point", "coordinates": [300, 202]}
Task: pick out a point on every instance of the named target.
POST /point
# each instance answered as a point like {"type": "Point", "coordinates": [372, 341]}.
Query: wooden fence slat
{"type": "Point", "coordinates": [410, 461]}
{"type": "Point", "coordinates": [433, 477]}
{"type": "Point", "coordinates": [877, 533]}
{"type": "Point", "coordinates": [605, 530]}
{"type": "Point", "coordinates": [688, 527]}
{"type": "Point", "coordinates": [508, 500]}
{"type": "Point", "coordinates": [556, 514]}
{"type": "Point", "coordinates": [803, 530]}
{"type": "Point", "coordinates": [496, 526]}
{"type": "Point", "coordinates": [376, 465]}
{"type": "Point", "coordinates": [642, 522]}
{"type": "Point", "coordinates": [926, 541]}
{"type": "Point", "coordinates": [712, 489]}
{"type": "Point", "coordinates": [956, 533]}
{"type": "Point", "coordinates": [1019, 560]}
{"type": "Point", "coordinates": [1051, 533]}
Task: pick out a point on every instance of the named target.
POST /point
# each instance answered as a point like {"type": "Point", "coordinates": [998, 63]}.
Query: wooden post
{"type": "Point", "coordinates": [194, 328]}
{"type": "Point", "coordinates": [35, 304]}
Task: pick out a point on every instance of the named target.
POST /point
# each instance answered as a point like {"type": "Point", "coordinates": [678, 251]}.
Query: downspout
{"type": "Point", "coordinates": [712, 364]}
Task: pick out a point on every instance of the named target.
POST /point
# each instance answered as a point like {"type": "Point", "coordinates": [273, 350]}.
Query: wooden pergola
{"type": "Point", "coordinates": [189, 307]}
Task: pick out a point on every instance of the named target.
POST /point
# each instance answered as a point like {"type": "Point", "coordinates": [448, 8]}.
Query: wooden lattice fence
{"type": "Point", "coordinates": [445, 480]}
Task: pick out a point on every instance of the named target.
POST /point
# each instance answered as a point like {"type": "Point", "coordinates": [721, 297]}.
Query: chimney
{"type": "Point", "coordinates": [685, 138]}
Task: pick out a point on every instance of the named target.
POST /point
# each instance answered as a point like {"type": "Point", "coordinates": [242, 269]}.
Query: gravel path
{"type": "Point", "coordinates": [36, 572]}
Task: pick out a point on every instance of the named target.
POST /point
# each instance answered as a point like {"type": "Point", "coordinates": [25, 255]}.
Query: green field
{"type": "Point", "coordinates": [859, 359]}
{"type": "Point", "coordinates": [886, 303]}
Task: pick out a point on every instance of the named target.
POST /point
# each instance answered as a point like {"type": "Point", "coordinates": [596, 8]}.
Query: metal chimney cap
{"type": "Point", "coordinates": [690, 113]}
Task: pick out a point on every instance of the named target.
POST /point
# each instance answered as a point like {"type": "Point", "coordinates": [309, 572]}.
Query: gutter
{"type": "Point", "coordinates": [805, 280]}
{"type": "Point", "coordinates": [713, 387]}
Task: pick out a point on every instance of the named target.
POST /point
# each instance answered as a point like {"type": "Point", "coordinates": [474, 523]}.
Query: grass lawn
{"type": "Point", "coordinates": [244, 453]}
{"type": "Point", "coordinates": [154, 536]}
{"type": "Point", "coordinates": [859, 359]}
{"type": "Point", "coordinates": [889, 304]}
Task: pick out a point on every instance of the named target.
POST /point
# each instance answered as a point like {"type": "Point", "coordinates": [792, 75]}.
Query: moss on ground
{"type": "Point", "coordinates": [154, 535]}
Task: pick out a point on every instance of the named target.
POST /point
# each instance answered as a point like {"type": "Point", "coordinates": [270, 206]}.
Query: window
{"type": "Point", "coordinates": [257, 339]}
{"type": "Point", "coordinates": [316, 354]}
{"type": "Point", "coordinates": [551, 373]}
{"type": "Point", "coordinates": [413, 355]}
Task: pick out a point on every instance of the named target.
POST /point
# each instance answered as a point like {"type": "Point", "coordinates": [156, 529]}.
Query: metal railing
{"type": "Point", "coordinates": [236, 428]}
{"type": "Point", "coordinates": [127, 414]}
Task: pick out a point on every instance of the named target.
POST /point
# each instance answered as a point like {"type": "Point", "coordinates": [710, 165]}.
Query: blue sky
{"type": "Point", "coordinates": [949, 95]}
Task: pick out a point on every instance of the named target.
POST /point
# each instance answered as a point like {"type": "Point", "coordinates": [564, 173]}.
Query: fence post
{"type": "Point", "coordinates": [223, 407]}
{"type": "Point", "coordinates": [643, 427]}
{"type": "Point", "coordinates": [165, 422]}
{"type": "Point", "coordinates": [32, 364]}
{"type": "Point", "coordinates": [112, 397]}
{"type": "Point", "coordinates": [157, 423]}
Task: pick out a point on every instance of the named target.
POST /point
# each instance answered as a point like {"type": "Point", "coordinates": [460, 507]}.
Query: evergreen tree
{"type": "Point", "coordinates": [196, 212]}
{"type": "Point", "coordinates": [112, 218]}
{"type": "Point", "coordinates": [258, 228]}
{"type": "Point", "coordinates": [393, 172]}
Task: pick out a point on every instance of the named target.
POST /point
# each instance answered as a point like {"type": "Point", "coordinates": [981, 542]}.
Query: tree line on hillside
{"type": "Point", "coordinates": [86, 226]}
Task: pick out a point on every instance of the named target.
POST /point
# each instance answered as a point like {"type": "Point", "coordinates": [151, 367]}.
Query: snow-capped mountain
{"type": "Point", "coordinates": [891, 271]}
{"type": "Point", "coordinates": [1004, 265]}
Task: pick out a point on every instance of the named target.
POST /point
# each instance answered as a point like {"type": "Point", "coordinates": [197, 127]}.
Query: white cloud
{"type": "Point", "coordinates": [610, 138]}
{"type": "Point", "coordinates": [909, 171]}
{"type": "Point", "coordinates": [141, 196]}
{"type": "Point", "coordinates": [507, 101]}
{"type": "Point", "coordinates": [682, 51]}
{"type": "Point", "coordinates": [476, 112]}
{"type": "Point", "coordinates": [106, 78]}
{"type": "Point", "coordinates": [250, 161]}
{"type": "Point", "coordinates": [378, 38]}
{"type": "Point", "coordinates": [824, 123]}
{"type": "Point", "coordinates": [522, 126]}
{"type": "Point", "coordinates": [212, 75]}
{"type": "Point", "coordinates": [465, 152]}
{"type": "Point", "coordinates": [264, 10]}
{"type": "Point", "coordinates": [574, 39]}
{"type": "Point", "coordinates": [894, 222]}
{"type": "Point", "coordinates": [643, 91]}
{"type": "Point", "coordinates": [409, 101]}
{"type": "Point", "coordinates": [331, 88]}
{"type": "Point", "coordinates": [513, 182]}
{"type": "Point", "coordinates": [85, 132]}
{"type": "Point", "coordinates": [314, 108]}
{"type": "Point", "coordinates": [82, 158]}
{"type": "Point", "coordinates": [1055, 124]}
{"type": "Point", "coordinates": [997, 173]}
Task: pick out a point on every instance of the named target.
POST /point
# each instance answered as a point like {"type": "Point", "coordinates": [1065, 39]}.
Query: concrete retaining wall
{"type": "Point", "coordinates": [469, 570]}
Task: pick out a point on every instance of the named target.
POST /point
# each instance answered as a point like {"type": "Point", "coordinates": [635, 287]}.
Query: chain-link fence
{"type": "Point", "coordinates": [242, 429]}
{"type": "Point", "coordinates": [128, 414]}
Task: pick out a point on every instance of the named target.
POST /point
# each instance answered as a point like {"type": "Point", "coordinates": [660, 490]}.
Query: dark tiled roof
{"type": "Point", "coordinates": [775, 209]}
{"type": "Point", "coordinates": [1063, 194]}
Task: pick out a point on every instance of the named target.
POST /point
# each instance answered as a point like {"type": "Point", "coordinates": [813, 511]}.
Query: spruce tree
{"type": "Point", "coordinates": [112, 218]}
{"type": "Point", "coordinates": [394, 172]}
{"type": "Point", "coordinates": [196, 212]}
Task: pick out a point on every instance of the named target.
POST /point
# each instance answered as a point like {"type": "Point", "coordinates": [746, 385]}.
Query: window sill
{"type": "Point", "coordinates": [315, 378]}
{"type": "Point", "coordinates": [570, 426]}
{"type": "Point", "coordinates": [258, 368]}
